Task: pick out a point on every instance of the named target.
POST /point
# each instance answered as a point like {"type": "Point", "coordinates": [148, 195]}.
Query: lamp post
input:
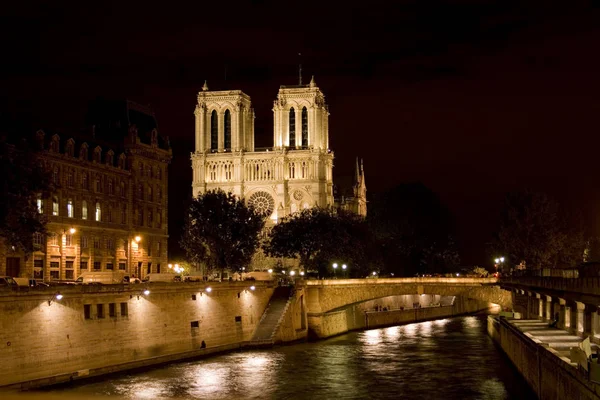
{"type": "Point", "coordinates": [499, 264]}
{"type": "Point", "coordinates": [334, 269]}
{"type": "Point", "coordinates": [344, 266]}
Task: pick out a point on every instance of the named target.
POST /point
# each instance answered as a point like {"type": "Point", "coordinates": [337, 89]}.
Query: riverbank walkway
{"type": "Point", "coordinates": [557, 340]}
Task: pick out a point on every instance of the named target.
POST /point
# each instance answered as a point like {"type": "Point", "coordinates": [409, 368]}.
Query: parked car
{"type": "Point", "coordinates": [7, 281]}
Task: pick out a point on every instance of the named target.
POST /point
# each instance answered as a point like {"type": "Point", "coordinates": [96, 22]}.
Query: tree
{"type": "Point", "coordinates": [23, 178]}
{"type": "Point", "coordinates": [221, 231]}
{"type": "Point", "coordinates": [318, 237]}
{"type": "Point", "coordinates": [414, 231]}
{"type": "Point", "coordinates": [534, 229]}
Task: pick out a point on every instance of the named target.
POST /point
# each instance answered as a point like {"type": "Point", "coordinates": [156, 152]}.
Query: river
{"type": "Point", "coordinates": [444, 359]}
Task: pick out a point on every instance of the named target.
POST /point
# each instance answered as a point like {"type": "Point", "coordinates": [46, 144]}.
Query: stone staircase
{"type": "Point", "coordinates": [272, 317]}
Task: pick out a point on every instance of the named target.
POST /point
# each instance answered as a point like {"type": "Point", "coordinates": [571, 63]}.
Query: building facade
{"type": "Point", "coordinates": [295, 173]}
{"type": "Point", "coordinates": [109, 211]}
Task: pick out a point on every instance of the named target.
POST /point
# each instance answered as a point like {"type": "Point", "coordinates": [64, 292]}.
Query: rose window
{"type": "Point", "coordinates": [263, 203]}
{"type": "Point", "coordinates": [297, 195]}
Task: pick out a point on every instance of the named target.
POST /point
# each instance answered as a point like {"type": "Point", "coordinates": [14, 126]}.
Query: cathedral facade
{"type": "Point", "coordinates": [295, 173]}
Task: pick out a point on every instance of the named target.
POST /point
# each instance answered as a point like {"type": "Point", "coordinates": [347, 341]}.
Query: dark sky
{"type": "Point", "coordinates": [473, 98]}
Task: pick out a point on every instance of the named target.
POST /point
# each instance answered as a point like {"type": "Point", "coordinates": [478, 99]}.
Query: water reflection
{"type": "Point", "coordinates": [445, 359]}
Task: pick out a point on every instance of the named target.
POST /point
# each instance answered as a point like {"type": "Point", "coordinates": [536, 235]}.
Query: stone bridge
{"type": "Point", "coordinates": [328, 295]}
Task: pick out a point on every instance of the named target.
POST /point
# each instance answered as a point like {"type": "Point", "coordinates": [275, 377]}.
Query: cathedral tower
{"type": "Point", "coordinates": [300, 118]}
{"type": "Point", "coordinates": [224, 121]}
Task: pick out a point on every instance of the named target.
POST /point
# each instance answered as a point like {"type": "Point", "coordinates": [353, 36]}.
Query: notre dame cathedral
{"type": "Point", "coordinates": [295, 173]}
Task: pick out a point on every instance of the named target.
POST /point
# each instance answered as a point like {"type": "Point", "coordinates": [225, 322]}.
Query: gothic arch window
{"type": "Point", "coordinates": [227, 129]}
{"type": "Point", "coordinates": [304, 127]}
{"type": "Point", "coordinates": [83, 152]}
{"type": "Point", "coordinates": [84, 209]}
{"type": "Point", "coordinates": [214, 131]}
{"type": "Point", "coordinates": [292, 127]}
{"type": "Point", "coordinates": [70, 148]}
{"type": "Point", "coordinates": [98, 215]}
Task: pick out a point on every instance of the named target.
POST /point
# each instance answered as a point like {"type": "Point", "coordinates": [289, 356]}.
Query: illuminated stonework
{"type": "Point", "coordinates": [296, 173]}
{"type": "Point", "coordinates": [263, 203]}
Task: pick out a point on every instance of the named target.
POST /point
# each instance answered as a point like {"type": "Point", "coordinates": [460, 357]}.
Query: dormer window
{"type": "Point", "coordinates": [70, 148]}
{"type": "Point", "coordinates": [83, 152]}
{"type": "Point", "coordinates": [54, 144]}
{"type": "Point", "coordinates": [98, 154]}
{"type": "Point", "coordinates": [122, 161]}
{"type": "Point", "coordinates": [110, 158]}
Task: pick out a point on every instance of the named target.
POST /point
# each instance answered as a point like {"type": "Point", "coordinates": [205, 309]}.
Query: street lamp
{"type": "Point", "coordinates": [334, 269]}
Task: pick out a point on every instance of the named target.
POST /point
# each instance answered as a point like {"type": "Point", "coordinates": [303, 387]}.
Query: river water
{"type": "Point", "coordinates": [445, 359]}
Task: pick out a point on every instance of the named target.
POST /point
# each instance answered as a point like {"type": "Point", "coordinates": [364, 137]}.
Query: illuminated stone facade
{"type": "Point", "coordinates": [295, 173]}
{"type": "Point", "coordinates": [112, 186]}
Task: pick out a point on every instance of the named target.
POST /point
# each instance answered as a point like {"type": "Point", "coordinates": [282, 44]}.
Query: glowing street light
{"type": "Point", "coordinates": [138, 239]}
{"type": "Point", "coordinates": [208, 289]}
{"type": "Point", "coordinates": [72, 231]}
{"type": "Point", "coordinates": [301, 273]}
{"type": "Point", "coordinates": [146, 292]}
{"type": "Point", "coordinates": [374, 273]}
{"type": "Point", "coordinates": [292, 273]}
{"type": "Point", "coordinates": [270, 270]}
{"type": "Point", "coordinates": [344, 266]}
{"type": "Point", "coordinates": [252, 287]}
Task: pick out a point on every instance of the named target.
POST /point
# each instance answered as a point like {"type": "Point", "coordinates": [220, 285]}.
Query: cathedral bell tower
{"type": "Point", "coordinates": [224, 121]}
{"type": "Point", "coordinates": [301, 118]}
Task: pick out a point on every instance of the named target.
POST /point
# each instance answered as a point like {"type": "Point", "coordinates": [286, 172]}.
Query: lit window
{"type": "Point", "coordinates": [70, 208]}
{"type": "Point", "coordinates": [84, 209]}
{"type": "Point", "coordinates": [98, 212]}
{"type": "Point", "coordinates": [55, 206]}
{"type": "Point", "coordinates": [40, 204]}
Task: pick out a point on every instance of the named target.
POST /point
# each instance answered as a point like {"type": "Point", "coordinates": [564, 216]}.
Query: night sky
{"type": "Point", "coordinates": [472, 98]}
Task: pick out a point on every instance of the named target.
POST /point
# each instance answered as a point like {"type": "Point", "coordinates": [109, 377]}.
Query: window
{"type": "Point", "coordinates": [149, 193]}
{"type": "Point", "coordinates": [38, 269]}
{"type": "Point", "coordinates": [110, 244]}
{"type": "Point", "coordinates": [238, 318]}
{"type": "Point", "coordinates": [110, 158]}
{"type": "Point", "coordinates": [122, 161]}
{"type": "Point", "coordinates": [38, 239]}
{"type": "Point", "coordinates": [124, 214]}
{"type": "Point", "coordinates": [83, 265]}
{"type": "Point", "coordinates": [54, 275]}
{"type": "Point", "coordinates": [110, 187]}
{"type": "Point", "coordinates": [141, 192]}
{"type": "Point", "coordinates": [97, 265]}
{"type": "Point", "coordinates": [55, 176]}
{"type": "Point", "coordinates": [70, 208]}
{"type": "Point", "coordinates": [87, 311]}
{"type": "Point", "coordinates": [85, 183]}
{"type": "Point", "coordinates": [148, 172]}
{"type": "Point", "coordinates": [70, 151]}
{"type": "Point", "coordinates": [108, 214]}
{"type": "Point", "coordinates": [149, 247]}
{"type": "Point", "coordinates": [292, 127]}
{"type": "Point", "coordinates": [149, 267]}
{"type": "Point", "coordinates": [122, 266]}
{"type": "Point", "coordinates": [70, 178]}
{"type": "Point", "coordinates": [304, 127]}
{"type": "Point", "coordinates": [109, 266]}
{"type": "Point", "coordinates": [158, 248]}
{"type": "Point", "coordinates": [84, 242]}
{"type": "Point", "coordinates": [83, 152]}
{"type": "Point", "coordinates": [84, 209]}
{"type": "Point", "coordinates": [123, 189]}
{"type": "Point", "coordinates": [159, 218]}
{"type": "Point", "coordinates": [227, 129]}
{"type": "Point", "coordinates": [140, 217]}
{"type": "Point", "coordinates": [53, 239]}
{"type": "Point", "coordinates": [97, 154]}
{"type": "Point", "coordinates": [158, 173]}
{"type": "Point", "coordinates": [112, 310]}
{"type": "Point", "coordinates": [98, 184]}
{"type": "Point", "coordinates": [98, 212]}
{"type": "Point", "coordinates": [40, 204]}
{"type": "Point", "coordinates": [54, 145]}
{"type": "Point", "coordinates": [214, 131]}
{"type": "Point", "coordinates": [159, 194]}
{"type": "Point", "coordinates": [69, 240]}
{"type": "Point", "coordinates": [195, 324]}
{"type": "Point", "coordinates": [158, 268]}
{"type": "Point", "coordinates": [141, 169]}
{"type": "Point", "coordinates": [69, 274]}
{"type": "Point", "coordinates": [150, 218]}
{"type": "Point", "coordinates": [193, 297]}
{"type": "Point", "coordinates": [96, 243]}
{"type": "Point", "coordinates": [100, 311]}
{"type": "Point", "coordinates": [124, 310]}
{"type": "Point", "coordinates": [55, 206]}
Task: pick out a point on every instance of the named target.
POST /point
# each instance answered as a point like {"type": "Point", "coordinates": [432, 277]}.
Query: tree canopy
{"type": "Point", "coordinates": [414, 231]}
{"type": "Point", "coordinates": [221, 231]}
{"type": "Point", "coordinates": [319, 237]}
{"type": "Point", "coordinates": [535, 229]}
{"type": "Point", "coordinates": [22, 179]}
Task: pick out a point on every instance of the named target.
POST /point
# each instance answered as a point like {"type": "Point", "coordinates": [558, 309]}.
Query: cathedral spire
{"type": "Point", "coordinates": [362, 172]}
{"type": "Point", "coordinates": [205, 87]}
{"type": "Point", "coordinates": [357, 173]}
{"type": "Point", "coordinates": [312, 82]}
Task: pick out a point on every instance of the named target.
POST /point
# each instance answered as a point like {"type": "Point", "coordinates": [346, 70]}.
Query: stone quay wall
{"type": "Point", "coordinates": [550, 376]}
{"type": "Point", "coordinates": [99, 329]}
{"type": "Point", "coordinates": [356, 317]}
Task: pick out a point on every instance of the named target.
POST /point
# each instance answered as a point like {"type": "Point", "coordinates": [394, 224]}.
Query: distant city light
{"type": "Point", "coordinates": [302, 273]}
{"type": "Point", "coordinates": [292, 273]}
